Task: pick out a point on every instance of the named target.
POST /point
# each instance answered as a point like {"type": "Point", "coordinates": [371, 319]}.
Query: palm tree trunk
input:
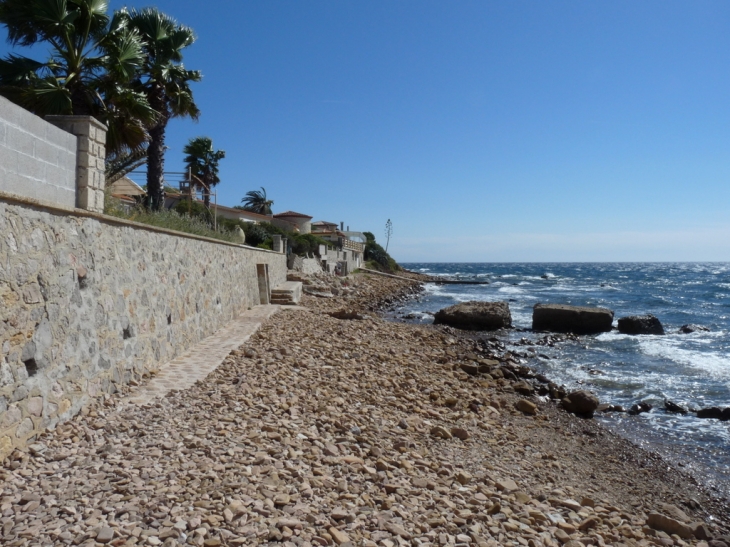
{"type": "Point", "coordinates": [156, 166]}
{"type": "Point", "coordinates": [156, 154]}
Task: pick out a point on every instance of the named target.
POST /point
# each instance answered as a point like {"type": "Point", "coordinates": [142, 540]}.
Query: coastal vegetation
{"type": "Point", "coordinates": [91, 67]}
{"type": "Point", "coordinates": [257, 202]}
{"type": "Point", "coordinates": [165, 82]}
{"type": "Point", "coordinates": [377, 258]}
{"type": "Point", "coordinates": [202, 163]}
{"type": "Point", "coordinates": [125, 70]}
{"type": "Point", "coordinates": [195, 218]}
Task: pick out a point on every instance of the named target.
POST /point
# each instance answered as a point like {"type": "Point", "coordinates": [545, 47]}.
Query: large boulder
{"type": "Point", "coordinates": [475, 316]}
{"type": "Point", "coordinates": [640, 324]}
{"type": "Point", "coordinates": [581, 402]}
{"type": "Point", "coordinates": [575, 319]}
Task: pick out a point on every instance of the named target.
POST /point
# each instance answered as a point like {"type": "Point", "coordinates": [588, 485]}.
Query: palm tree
{"type": "Point", "coordinates": [166, 84]}
{"type": "Point", "coordinates": [256, 202]}
{"type": "Point", "coordinates": [92, 63]}
{"type": "Point", "coordinates": [202, 161]}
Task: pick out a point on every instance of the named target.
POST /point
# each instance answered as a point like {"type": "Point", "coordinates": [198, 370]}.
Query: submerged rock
{"type": "Point", "coordinates": [640, 408]}
{"type": "Point", "coordinates": [475, 316]}
{"type": "Point", "coordinates": [640, 324]}
{"type": "Point", "coordinates": [689, 329]}
{"type": "Point", "coordinates": [575, 319]}
{"type": "Point", "coordinates": [671, 406]}
{"type": "Point", "coordinates": [714, 412]}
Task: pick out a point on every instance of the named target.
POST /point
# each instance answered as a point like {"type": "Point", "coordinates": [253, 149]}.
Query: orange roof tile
{"type": "Point", "coordinates": [291, 214]}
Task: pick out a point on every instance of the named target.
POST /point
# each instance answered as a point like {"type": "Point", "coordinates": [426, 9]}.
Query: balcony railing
{"type": "Point", "coordinates": [353, 245]}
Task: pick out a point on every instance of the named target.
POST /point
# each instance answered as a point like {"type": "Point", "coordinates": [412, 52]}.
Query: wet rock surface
{"type": "Point", "coordinates": [326, 431]}
{"type": "Point", "coordinates": [581, 402]}
{"type": "Point", "coordinates": [573, 319]}
{"type": "Point", "coordinates": [476, 316]}
{"type": "Point", "coordinates": [640, 324]}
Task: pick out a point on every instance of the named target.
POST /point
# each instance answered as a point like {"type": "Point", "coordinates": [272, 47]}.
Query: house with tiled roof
{"type": "Point", "coordinates": [302, 222]}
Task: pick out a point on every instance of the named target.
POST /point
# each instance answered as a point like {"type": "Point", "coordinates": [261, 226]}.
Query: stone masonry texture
{"type": "Point", "coordinates": [37, 159]}
{"type": "Point", "coordinates": [87, 304]}
{"type": "Point", "coordinates": [90, 159]}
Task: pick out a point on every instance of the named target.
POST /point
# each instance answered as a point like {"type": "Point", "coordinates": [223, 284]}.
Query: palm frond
{"type": "Point", "coordinates": [18, 70]}
{"type": "Point", "coordinates": [120, 165]}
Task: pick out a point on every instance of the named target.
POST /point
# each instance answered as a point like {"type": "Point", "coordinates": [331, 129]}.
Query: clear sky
{"type": "Point", "coordinates": [487, 131]}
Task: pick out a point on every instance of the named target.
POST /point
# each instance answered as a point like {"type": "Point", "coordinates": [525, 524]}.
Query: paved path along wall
{"type": "Point", "coordinates": [88, 302]}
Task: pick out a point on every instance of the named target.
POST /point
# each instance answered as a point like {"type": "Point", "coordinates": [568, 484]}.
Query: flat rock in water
{"type": "Point", "coordinates": [714, 412]}
{"type": "Point", "coordinates": [475, 316]}
{"type": "Point", "coordinates": [575, 319]}
{"type": "Point", "coordinates": [640, 324]}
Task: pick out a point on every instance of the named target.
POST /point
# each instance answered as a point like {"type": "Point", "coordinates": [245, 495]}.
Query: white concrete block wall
{"type": "Point", "coordinates": [37, 159]}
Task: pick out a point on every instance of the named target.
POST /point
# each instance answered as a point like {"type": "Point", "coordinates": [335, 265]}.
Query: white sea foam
{"type": "Point", "coordinates": [712, 363]}
{"type": "Point", "coordinates": [434, 289]}
{"type": "Point", "coordinates": [510, 289]}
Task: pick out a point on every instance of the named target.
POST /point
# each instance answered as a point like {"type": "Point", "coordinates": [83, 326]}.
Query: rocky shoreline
{"type": "Point", "coordinates": [333, 426]}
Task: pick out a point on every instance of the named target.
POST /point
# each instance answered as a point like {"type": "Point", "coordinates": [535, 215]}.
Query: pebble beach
{"type": "Point", "coordinates": [335, 426]}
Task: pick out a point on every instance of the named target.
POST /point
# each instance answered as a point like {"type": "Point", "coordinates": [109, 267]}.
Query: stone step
{"type": "Point", "coordinates": [289, 292]}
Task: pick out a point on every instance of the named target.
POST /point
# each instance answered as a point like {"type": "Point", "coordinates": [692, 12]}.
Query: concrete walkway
{"type": "Point", "coordinates": [203, 358]}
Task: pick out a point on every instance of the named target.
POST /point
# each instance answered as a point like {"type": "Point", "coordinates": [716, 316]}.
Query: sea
{"type": "Point", "coordinates": [692, 370]}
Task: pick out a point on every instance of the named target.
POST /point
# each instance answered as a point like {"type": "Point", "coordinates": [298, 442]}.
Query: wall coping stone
{"type": "Point", "coordinates": [54, 118]}
{"type": "Point", "coordinates": [56, 208]}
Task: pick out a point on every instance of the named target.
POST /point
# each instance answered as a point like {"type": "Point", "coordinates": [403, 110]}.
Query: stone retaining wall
{"type": "Point", "coordinates": [90, 302]}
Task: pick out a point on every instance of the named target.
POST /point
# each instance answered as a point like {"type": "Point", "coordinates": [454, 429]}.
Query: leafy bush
{"type": "Point", "coordinates": [377, 257]}
{"type": "Point", "coordinates": [306, 243]}
{"type": "Point", "coordinates": [194, 209]}
{"type": "Point", "coordinates": [256, 234]}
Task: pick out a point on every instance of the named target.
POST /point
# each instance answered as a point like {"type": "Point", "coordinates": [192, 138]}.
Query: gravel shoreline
{"type": "Point", "coordinates": [333, 426]}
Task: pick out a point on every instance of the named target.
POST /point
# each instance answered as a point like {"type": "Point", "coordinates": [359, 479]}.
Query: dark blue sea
{"type": "Point", "coordinates": [689, 369]}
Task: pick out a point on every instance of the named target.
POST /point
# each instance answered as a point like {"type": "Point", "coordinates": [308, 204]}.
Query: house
{"type": "Point", "coordinates": [302, 222]}
{"type": "Point", "coordinates": [232, 213]}
{"type": "Point", "coordinates": [128, 193]}
{"type": "Point", "coordinates": [322, 226]}
{"type": "Point", "coordinates": [347, 252]}
{"type": "Point", "coordinates": [126, 187]}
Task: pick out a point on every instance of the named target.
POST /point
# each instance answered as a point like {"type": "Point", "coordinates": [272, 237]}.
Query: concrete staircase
{"type": "Point", "coordinates": [288, 293]}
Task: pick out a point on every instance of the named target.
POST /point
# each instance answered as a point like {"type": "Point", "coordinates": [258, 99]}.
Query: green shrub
{"type": "Point", "coordinates": [256, 234]}
{"type": "Point", "coordinates": [376, 256]}
{"type": "Point", "coordinates": [306, 243]}
{"type": "Point", "coordinates": [194, 209]}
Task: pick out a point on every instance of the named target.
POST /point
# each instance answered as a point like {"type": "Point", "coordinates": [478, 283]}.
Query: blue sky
{"type": "Point", "coordinates": [487, 131]}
